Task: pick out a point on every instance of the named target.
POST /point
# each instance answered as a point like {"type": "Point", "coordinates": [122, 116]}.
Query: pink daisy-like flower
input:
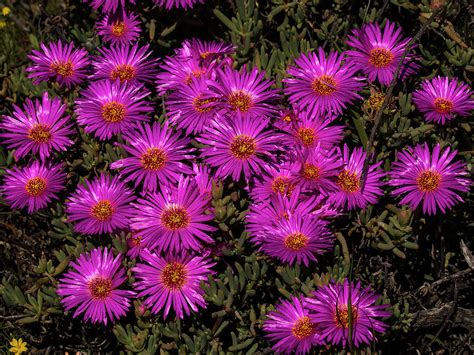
{"type": "Point", "coordinates": [248, 93]}
{"type": "Point", "coordinates": [238, 146]}
{"type": "Point", "coordinates": [441, 99]}
{"type": "Point", "coordinates": [431, 179]}
{"type": "Point", "coordinates": [109, 6]}
{"type": "Point", "coordinates": [41, 128]}
{"type": "Point", "coordinates": [317, 169]}
{"type": "Point", "coordinates": [135, 245]}
{"type": "Point", "coordinates": [172, 282]}
{"type": "Point", "coordinates": [204, 181]}
{"type": "Point", "coordinates": [285, 120]}
{"type": "Point", "coordinates": [59, 62]}
{"type": "Point", "coordinates": [350, 194]}
{"type": "Point", "coordinates": [156, 157]}
{"type": "Point", "coordinates": [34, 186]}
{"type": "Point", "coordinates": [299, 238]}
{"type": "Point", "coordinates": [322, 84]}
{"type": "Point", "coordinates": [127, 63]}
{"type": "Point", "coordinates": [92, 287]}
{"type": "Point", "coordinates": [109, 108]}
{"type": "Point", "coordinates": [307, 131]}
{"type": "Point", "coordinates": [119, 28]}
{"type": "Point", "coordinates": [291, 329]}
{"type": "Point", "coordinates": [101, 206]}
{"type": "Point", "coordinates": [174, 219]}
{"type": "Point", "coordinates": [184, 4]}
{"type": "Point", "coordinates": [206, 51]}
{"type": "Point", "coordinates": [378, 53]}
{"type": "Point", "coordinates": [192, 106]}
{"type": "Point", "coordinates": [274, 180]}
{"type": "Point", "coordinates": [337, 307]}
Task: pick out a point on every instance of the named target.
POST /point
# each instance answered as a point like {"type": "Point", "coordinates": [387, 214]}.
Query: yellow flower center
{"type": "Point", "coordinates": [65, 69]}
{"type": "Point", "coordinates": [100, 288]}
{"type": "Point", "coordinates": [380, 57]}
{"type": "Point", "coordinates": [123, 72]}
{"type": "Point", "coordinates": [243, 146]}
{"type": "Point", "coordinates": [175, 218]}
{"type": "Point", "coordinates": [39, 133]}
{"type": "Point", "coordinates": [174, 275]}
{"type": "Point", "coordinates": [311, 172]}
{"type": "Point", "coordinates": [102, 210]}
{"type": "Point", "coordinates": [341, 316]}
{"type": "Point", "coordinates": [324, 85]}
{"type": "Point", "coordinates": [153, 159]}
{"type": "Point", "coordinates": [296, 241]}
{"type": "Point", "coordinates": [136, 241]}
{"type": "Point", "coordinates": [194, 74]}
{"type": "Point", "coordinates": [307, 136]}
{"type": "Point", "coordinates": [113, 112]}
{"type": "Point", "coordinates": [443, 105]}
{"type": "Point", "coordinates": [375, 100]}
{"type": "Point", "coordinates": [240, 100]}
{"type": "Point", "coordinates": [428, 181]}
{"type": "Point", "coordinates": [282, 185]}
{"type": "Point", "coordinates": [303, 328]}
{"type": "Point", "coordinates": [35, 186]}
{"type": "Point", "coordinates": [204, 55]}
{"type": "Point", "coordinates": [119, 28]}
{"type": "Point", "coordinates": [201, 105]}
{"type": "Point", "coordinates": [348, 181]}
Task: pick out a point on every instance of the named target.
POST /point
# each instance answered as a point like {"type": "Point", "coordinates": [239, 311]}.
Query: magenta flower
{"type": "Point", "coordinates": [336, 308]}
{"type": "Point", "coordinates": [299, 238]}
{"type": "Point", "coordinates": [248, 93]}
{"type": "Point", "coordinates": [306, 132]}
{"type": "Point", "coordinates": [378, 53]}
{"type": "Point", "coordinates": [41, 128]}
{"type": "Point", "coordinates": [109, 108]}
{"type": "Point", "coordinates": [109, 6]}
{"type": "Point", "coordinates": [101, 206]}
{"type": "Point", "coordinates": [172, 282]}
{"type": "Point", "coordinates": [92, 287]}
{"type": "Point", "coordinates": [322, 84]}
{"type": "Point", "coordinates": [441, 99]}
{"type": "Point", "coordinates": [291, 328]}
{"type": "Point", "coordinates": [127, 63]}
{"type": "Point", "coordinates": [192, 107]}
{"type": "Point", "coordinates": [208, 52]}
{"type": "Point", "coordinates": [278, 180]}
{"type": "Point", "coordinates": [350, 194]}
{"type": "Point", "coordinates": [156, 157]}
{"type": "Point", "coordinates": [238, 146]}
{"type": "Point", "coordinates": [431, 179]}
{"type": "Point", "coordinates": [174, 219]}
{"type": "Point", "coordinates": [59, 62]}
{"type": "Point", "coordinates": [34, 186]}
{"type": "Point", "coordinates": [184, 4]}
{"type": "Point", "coordinates": [120, 28]}
{"type": "Point", "coordinates": [204, 181]}
{"type": "Point", "coordinates": [135, 245]}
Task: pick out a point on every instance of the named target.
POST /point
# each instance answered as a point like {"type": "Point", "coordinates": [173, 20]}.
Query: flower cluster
{"type": "Point", "coordinates": [221, 124]}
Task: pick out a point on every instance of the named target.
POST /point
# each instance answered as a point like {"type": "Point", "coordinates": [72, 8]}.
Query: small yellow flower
{"type": "Point", "coordinates": [18, 346]}
{"type": "Point", "coordinates": [6, 11]}
{"type": "Point", "coordinates": [3, 24]}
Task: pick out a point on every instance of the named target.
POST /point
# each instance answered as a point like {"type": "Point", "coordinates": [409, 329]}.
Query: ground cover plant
{"type": "Point", "coordinates": [204, 176]}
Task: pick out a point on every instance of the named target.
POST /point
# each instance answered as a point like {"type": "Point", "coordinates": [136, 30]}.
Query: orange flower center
{"type": "Point", "coordinates": [204, 55]}
{"type": "Point", "coordinates": [102, 210]}
{"type": "Point", "coordinates": [341, 316]}
{"type": "Point", "coordinates": [428, 181]}
{"type": "Point", "coordinates": [202, 106]}
{"type": "Point", "coordinates": [113, 112]}
{"type": "Point", "coordinates": [123, 72]}
{"type": "Point", "coordinates": [311, 172]}
{"type": "Point", "coordinates": [175, 218]}
{"type": "Point", "coordinates": [194, 74]}
{"type": "Point", "coordinates": [303, 328]}
{"type": "Point", "coordinates": [307, 136]}
{"type": "Point", "coordinates": [375, 100]}
{"type": "Point", "coordinates": [380, 57]}
{"type": "Point", "coordinates": [348, 181]}
{"type": "Point", "coordinates": [153, 159]}
{"type": "Point", "coordinates": [240, 100]}
{"type": "Point", "coordinates": [65, 69]}
{"type": "Point", "coordinates": [296, 241]}
{"type": "Point", "coordinates": [100, 288]}
{"type": "Point", "coordinates": [136, 241]}
{"type": "Point", "coordinates": [119, 28]}
{"type": "Point", "coordinates": [174, 275]}
{"type": "Point", "coordinates": [243, 146]}
{"type": "Point", "coordinates": [35, 186]}
{"type": "Point", "coordinates": [39, 133]}
{"type": "Point", "coordinates": [324, 85]}
{"type": "Point", "coordinates": [282, 185]}
{"type": "Point", "coordinates": [443, 105]}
